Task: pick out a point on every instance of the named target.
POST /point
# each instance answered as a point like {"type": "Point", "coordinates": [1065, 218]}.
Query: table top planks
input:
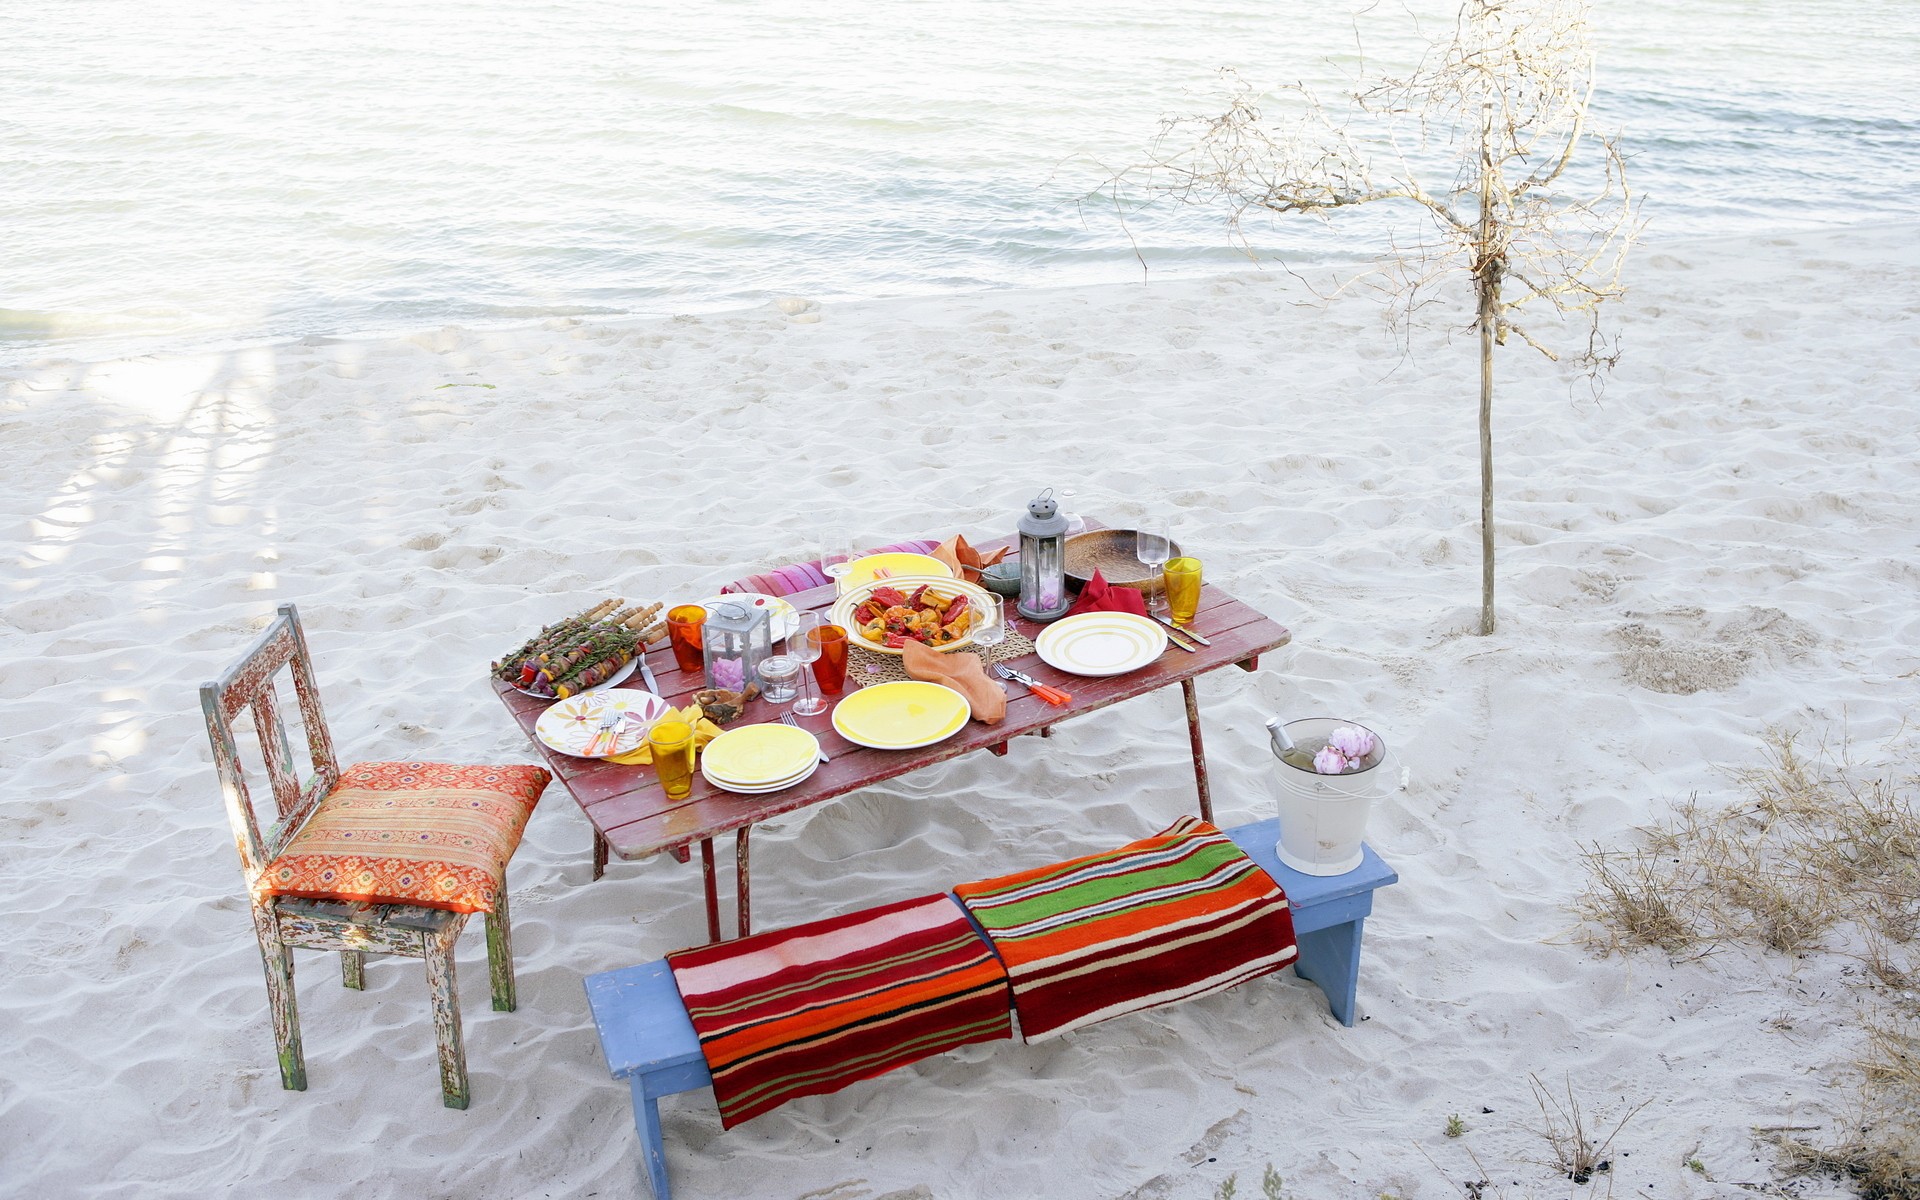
{"type": "Point", "coordinates": [627, 805]}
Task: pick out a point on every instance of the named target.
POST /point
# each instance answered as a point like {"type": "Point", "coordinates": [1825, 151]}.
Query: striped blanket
{"type": "Point", "coordinates": [805, 1011]}
{"type": "Point", "coordinates": [1170, 917]}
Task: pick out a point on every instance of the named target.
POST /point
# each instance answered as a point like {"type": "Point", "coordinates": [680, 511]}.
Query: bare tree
{"type": "Point", "coordinates": [1537, 211]}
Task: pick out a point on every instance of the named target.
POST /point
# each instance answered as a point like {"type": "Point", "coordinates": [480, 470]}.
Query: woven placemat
{"type": "Point", "coordinates": [865, 668]}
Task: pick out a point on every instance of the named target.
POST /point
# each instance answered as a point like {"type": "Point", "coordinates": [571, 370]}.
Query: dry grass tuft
{"type": "Point", "coordinates": [1876, 1173]}
{"type": "Point", "coordinates": [1575, 1153]}
{"type": "Point", "coordinates": [1820, 852]}
{"type": "Point", "coordinates": [1816, 844]}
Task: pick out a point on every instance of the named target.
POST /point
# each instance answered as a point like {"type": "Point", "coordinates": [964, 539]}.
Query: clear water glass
{"type": "Point", "coordinates": [803, 649]}
{"type": "Point", "coordinates": [989, 623]}
{"type": "Point", "coordinates": [836, 552]}
{"type": "Point", "coordinates": [1069, 510]}
{"type": "Point", "coordinates": [1153, 545]}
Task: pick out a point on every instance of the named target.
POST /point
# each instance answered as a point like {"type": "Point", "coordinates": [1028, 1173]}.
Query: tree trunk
{"type": "Point", "coordinates": [1487, 285]}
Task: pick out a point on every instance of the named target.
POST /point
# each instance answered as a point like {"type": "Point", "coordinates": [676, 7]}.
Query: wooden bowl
{"type": "Point", "coordinates": [1111, 552]}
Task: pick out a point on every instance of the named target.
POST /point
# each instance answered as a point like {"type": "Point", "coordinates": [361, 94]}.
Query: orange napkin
{"type": "Point", "coordinates": [964, 673]}
{"type": "Point", "coordinates": [1101, 596]}
{"type": "Point", "coordinates": [964, 559]}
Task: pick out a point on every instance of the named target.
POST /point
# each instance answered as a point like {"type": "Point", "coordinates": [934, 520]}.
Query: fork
{"type": "Point", "coordinates": [786, 718]}
{"type": "Point", "coordinates": [609, 724]}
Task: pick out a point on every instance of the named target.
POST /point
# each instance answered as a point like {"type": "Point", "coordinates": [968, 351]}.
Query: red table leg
{"type": "Point", "coordinates": [740, 867]}
{"type": "Point", "coordinates": [1199, 751]}
{"type": "Point", "coordinates": [599, 854]}
{"type": "Point", "coordinates": [712, 888]}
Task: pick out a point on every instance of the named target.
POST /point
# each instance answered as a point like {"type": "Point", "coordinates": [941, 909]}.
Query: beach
{"type": "Point", "coordinates": [1724, 540]}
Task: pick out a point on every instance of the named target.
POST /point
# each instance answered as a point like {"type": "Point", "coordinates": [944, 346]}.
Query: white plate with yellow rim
{"type": "Point", "coordinates": [759, 755]}
{"type": "Point", "coordinates": [893, 564]}
{"type": "Point", "coordinates": [1099, 644]}
{"type": "Point", "coordinates": [901, 716]}
{"type": "Point", "coordinates": [782, 619]}
{"type": "Point", "coordinates": [780, 785]}
{"type": "Point", "coordinates": [570, 725]}
{"type": "Point", "coordinates": [946, 589]}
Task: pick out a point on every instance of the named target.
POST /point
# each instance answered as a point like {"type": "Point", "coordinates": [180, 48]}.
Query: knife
{"type": "Point", "coordinates": [1183, 632]}
{"type": "Point", "coordinates": [1051, 695]}
{"type": "Point", "coordinates": [1179, 638]}
{"type": "Point", "coordinates": [646, 673]}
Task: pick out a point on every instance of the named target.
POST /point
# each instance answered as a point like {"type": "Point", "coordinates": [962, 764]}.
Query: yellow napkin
{"type": "Point", "coordinates": [704, 731]}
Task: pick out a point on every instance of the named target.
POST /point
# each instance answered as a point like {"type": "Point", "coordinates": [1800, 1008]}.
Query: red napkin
{"type": "Point", "coordinates": [1101, 596]}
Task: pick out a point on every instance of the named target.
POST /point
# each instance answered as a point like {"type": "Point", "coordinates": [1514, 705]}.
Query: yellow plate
{"type": "Point", "coordinates": [867, 569]}
{"type": "Point", "coordinates": [901, 716]}
{"type": "Point", "coordinates": [758, 754]}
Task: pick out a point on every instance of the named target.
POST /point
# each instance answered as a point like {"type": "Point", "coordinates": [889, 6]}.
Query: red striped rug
{"type": "Point", "coordinates": [806, 1011]}
{"type": "Point", "coordinates": [1166, 918]}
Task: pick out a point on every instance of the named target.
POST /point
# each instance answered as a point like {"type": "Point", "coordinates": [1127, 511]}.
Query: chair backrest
{"type": "Point", "coordinates": [249, 683]}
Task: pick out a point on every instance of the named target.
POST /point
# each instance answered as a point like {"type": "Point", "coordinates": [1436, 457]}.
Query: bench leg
{"type": "Point", "coordinates": [1331, 958]}
{"type": "Point", "coordinates": [353, 969]}
{"type": "Point", "coordinates": [653, 1155]}
{"type": "Point", "coordinates": [1199, 750]}
{"type": "Point", "coordinates": [742, 881]}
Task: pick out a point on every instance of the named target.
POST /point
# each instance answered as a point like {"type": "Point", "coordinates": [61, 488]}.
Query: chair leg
{"type": "Point", "coordinates": [506, 996]}
{"type": "Point", "coordinates": [281, 1002]}
{"type": "Point", "coordinates": [454, 1091]}
{"type": "Point", "coordinates": [353, 969]}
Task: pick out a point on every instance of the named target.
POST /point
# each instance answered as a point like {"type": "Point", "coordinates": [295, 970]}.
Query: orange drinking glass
{"type": "Point", "coordinates": [672, 745]}
{"type": "Point", "coordinates": [1183, 589]}
{"type": "Point", "coordinates": [683, 630]}
{"type": "Point", "coordinates": [830, 669]}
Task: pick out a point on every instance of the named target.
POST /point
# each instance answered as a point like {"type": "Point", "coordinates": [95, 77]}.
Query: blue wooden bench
{"type": "Point", "coordinates": [650, 1043]}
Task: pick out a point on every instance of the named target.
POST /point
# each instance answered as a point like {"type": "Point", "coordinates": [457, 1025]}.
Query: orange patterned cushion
{"type": "Point", "coordinates": [430, 834]}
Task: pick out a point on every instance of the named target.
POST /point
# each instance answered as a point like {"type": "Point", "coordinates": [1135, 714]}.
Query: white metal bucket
{"type": "Point", "coordinates": [1323, 818]}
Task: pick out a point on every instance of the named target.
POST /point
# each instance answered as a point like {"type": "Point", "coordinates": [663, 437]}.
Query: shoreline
{"type": "Point", "coordinates": [164, 347]}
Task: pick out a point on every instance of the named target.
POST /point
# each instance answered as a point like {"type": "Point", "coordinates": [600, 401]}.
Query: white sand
{"type": "Point", "coordinates": [1738, 515]}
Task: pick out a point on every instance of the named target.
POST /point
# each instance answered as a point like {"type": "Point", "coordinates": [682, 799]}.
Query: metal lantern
{"type": "Point", "coordinates": [734, 641]}
{"type": "Point", "coordinates": [1043, 560]}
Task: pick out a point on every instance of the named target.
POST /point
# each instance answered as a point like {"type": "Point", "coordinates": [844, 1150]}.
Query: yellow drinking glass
{"type": "Point", "coordinates": [1183, 589]}
{"type": "Point", "coordinates": [672, 744]}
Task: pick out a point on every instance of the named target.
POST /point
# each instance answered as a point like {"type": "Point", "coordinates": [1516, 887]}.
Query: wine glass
{"type": "Point", "coordinates": [802, 646]}
{"type": "Point", "coordinates": [1153, 545]}
{"type": "Point", "coordinates": [989, 627]}
{"type": "Point", "coordinates": [1065, 498]}
{"type": "Point", "coordinates": [836, 552]}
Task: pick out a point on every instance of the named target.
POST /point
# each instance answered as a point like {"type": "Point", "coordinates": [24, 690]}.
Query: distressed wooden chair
{"type": "Point", "coordinates": [384, 858]}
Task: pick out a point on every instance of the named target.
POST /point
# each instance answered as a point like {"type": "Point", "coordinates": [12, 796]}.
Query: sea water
{"type": "Point", "coordinates": [185, 174]}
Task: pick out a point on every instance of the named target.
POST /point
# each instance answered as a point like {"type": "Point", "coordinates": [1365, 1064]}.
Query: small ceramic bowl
{"type": "Point", "coordinates": [1002, 579]}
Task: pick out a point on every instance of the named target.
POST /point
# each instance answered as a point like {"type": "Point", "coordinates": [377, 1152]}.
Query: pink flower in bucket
{"type": "Point", "coordinates": [1346, 750]}
{"type": "Point", "coordinates": [1329, 761]}
{"type": "Point", "coordinates": [1352, 743]}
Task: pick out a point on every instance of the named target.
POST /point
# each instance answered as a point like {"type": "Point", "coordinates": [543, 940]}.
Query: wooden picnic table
{"type": "Point", "coordinates": [632, 817]}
